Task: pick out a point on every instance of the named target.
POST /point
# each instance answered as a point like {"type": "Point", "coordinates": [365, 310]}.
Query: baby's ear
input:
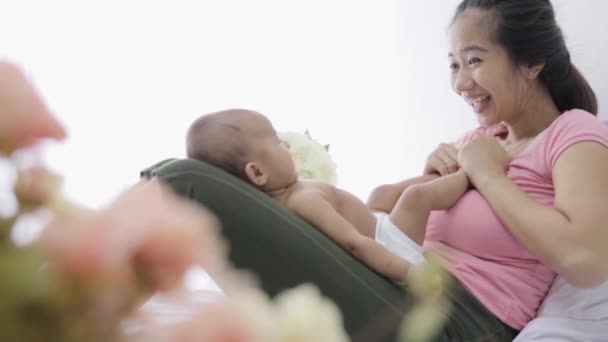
{"type": "Point", "coordinates": [255, 175]}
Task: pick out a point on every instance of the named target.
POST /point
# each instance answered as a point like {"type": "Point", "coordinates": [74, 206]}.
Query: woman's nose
{"type": "Point", "coordinates": [462, 81]}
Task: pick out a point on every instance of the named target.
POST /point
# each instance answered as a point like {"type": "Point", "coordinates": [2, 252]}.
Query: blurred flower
{"type": "Point", "coordinates": [429, 280]}
{"type": "Point", "coordinates": [24, 118]}
{"type": "Point", "coordinates": [312, 159]}
{"type": "Point", "coordinates": [424, 321]}
{"type": "Point", "coordinates": [8, 177]}
{"type": "Point", "coordinates": [296, 315]}
{"type": "Point", "coordinates": [427, 283]}
{"type": "Point", "coordinates": [147, 229]}
{"type": "Point", "coordinates": [303, 315]}
{"type": "Point", "coordinates": [36, 186]}
{"type": "Point", "coordinates": [112, 259]}
{"type": "Point", "coordinates": [244, 317]}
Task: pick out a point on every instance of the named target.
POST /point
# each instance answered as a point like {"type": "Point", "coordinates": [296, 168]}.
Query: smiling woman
{"type": "Point", "coordinates": [509, 61]}
{"type": "Point", "coordinates": [482, 47]}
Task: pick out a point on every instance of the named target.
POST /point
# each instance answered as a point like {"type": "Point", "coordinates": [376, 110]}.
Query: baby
{"type": "Point", "coordinates": [245, 144]}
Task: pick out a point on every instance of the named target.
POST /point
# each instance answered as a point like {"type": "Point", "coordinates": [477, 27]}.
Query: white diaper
{"type": "Point", "coordinates": [393, 239]}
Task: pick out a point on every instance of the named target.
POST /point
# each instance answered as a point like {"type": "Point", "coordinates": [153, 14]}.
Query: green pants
{"type": "Point", "coordinates": [284, 251]}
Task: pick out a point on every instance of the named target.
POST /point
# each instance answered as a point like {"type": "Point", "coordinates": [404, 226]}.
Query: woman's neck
{"type": "Point", "coordinates": [538, 112]}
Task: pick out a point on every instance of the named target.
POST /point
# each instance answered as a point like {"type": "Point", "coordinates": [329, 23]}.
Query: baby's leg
{"type": "Point", "coordinates": [384, 197]}
{"type": "Point", "coordinates": [412, 210]}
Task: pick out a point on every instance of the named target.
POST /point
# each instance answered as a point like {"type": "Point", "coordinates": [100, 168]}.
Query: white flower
{"type": "Point", "coordinates": [296, 315]}
{"type": "Point", "coordinates": [304, 315]}
{"type": "Point", "coordinates": [312, 159]}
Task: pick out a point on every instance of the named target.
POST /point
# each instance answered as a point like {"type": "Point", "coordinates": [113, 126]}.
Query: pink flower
{"type": "Point", "coordinates": [148, 231]}
{"type": "Point", "coordinates": [24, 117]}
{"type": "Point", "coordinates": [36, 186]}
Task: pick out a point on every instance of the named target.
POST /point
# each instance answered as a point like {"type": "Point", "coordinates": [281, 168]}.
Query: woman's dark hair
{"type": "Point", "coordinates": [528, 31]}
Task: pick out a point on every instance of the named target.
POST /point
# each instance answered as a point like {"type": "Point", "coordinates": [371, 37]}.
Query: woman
{"type": "Point", "coordinates": [538, 164]}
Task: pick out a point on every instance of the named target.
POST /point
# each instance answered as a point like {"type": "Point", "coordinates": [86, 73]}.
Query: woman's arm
{"type": "Point", "coordinates": [572, 236]}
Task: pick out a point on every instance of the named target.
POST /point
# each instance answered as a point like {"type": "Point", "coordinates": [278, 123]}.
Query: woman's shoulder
{"type": "Point", "coordinates": [576, 122]}
{"type": "Point", "coordinates": [569, 128]}
{"type": "Point", "coordinates": [579, 118]}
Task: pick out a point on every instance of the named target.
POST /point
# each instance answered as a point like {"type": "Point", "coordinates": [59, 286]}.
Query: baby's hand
{"type": "Point", "coordinates": [444, 160]}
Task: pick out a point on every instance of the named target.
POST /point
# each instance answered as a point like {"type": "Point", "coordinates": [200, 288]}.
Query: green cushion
{"type": "Point", "coordinates": [284, 251]}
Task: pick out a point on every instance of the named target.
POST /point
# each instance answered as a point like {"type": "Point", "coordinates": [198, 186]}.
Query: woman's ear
{"type": "Point", "coordinates": [532, 71]}
{"type": "Point", "coordinates": [255, 174]}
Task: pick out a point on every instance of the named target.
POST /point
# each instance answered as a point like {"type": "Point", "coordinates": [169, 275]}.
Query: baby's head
{"type": "Point", "coordinates": [245, 144]}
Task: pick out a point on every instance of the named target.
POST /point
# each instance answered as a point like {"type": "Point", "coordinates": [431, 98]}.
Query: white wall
{"type": "Point", "coordinates": [585, 26]}
{"type": "Point", "coordinates": [368, 77]}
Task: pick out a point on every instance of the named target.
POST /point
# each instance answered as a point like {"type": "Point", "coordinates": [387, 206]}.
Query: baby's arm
{"type": "Point", "coordinates": [316, 210]}
{"type": "Point", "coordinates": [384, 197]}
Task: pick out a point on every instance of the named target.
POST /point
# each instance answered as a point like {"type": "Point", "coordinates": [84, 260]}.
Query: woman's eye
{"type": "Point", "coordinates": [453, 66]}
{"type": "Point", "coordinates": [474, 60]}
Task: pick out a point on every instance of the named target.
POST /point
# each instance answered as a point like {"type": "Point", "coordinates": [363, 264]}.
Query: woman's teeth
{"type": "Point", "coordinates": [478, 101]}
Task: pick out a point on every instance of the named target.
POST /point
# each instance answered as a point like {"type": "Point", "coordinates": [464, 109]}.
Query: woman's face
{"type": "Point", "coordinates": [481, 71]}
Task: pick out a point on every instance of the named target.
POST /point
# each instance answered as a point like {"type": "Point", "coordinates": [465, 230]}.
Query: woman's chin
{"type": "Point", "coordinates": [487, 119]}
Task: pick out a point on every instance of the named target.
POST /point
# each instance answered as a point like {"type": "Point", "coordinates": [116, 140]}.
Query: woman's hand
{"type": "Point", "coordinates": [483, 159]}
{"type": "Point", "coordinates": [443, 161]}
